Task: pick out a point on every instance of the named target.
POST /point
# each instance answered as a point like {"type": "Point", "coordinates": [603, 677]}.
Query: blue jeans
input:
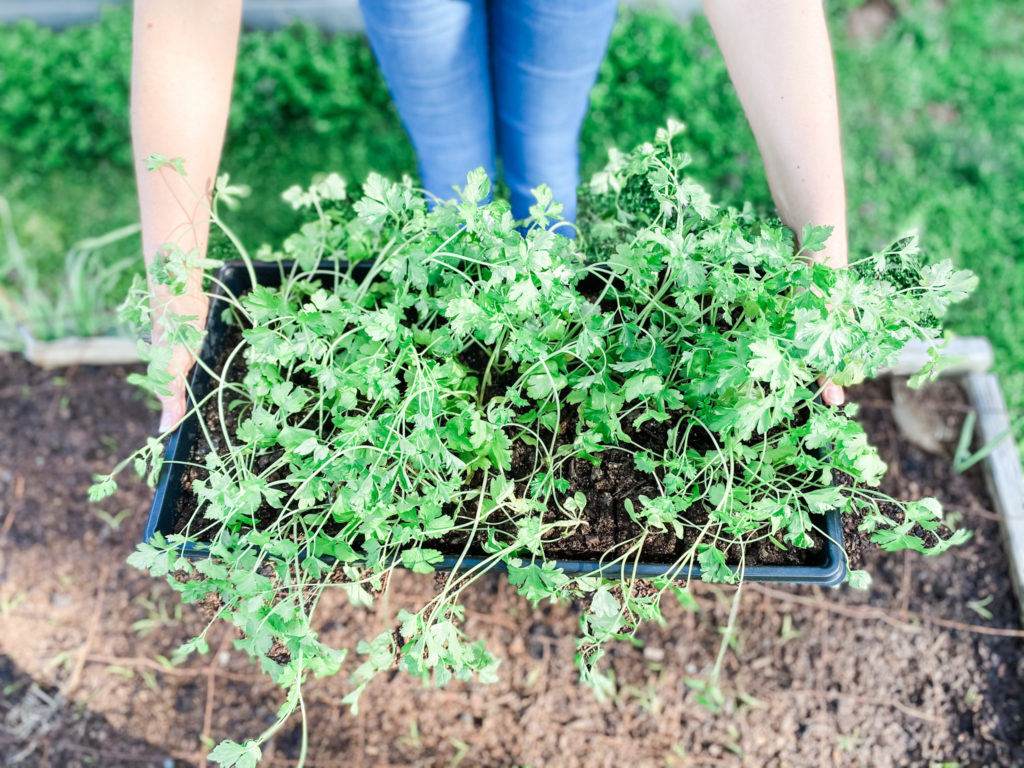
{"type": "Point", "coordinates": [476, 78]}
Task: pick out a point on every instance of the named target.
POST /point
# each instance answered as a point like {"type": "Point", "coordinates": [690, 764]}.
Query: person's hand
{"type": "Point", "coordinates": [833, 255]}
{"type": "Point", "coordinates": [183, 62]}
{"type": "Point", "coordinates": [779, 58]}
{"type": "Point", "coordinates": [831, 394]}
{"type": "Point", "coordinates": [173, 406]}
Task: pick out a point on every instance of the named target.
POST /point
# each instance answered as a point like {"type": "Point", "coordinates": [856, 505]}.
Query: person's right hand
{"type": "Point", "coordinates": [173, 406]}
{"type": "Point", "coordinates": [183, 61]}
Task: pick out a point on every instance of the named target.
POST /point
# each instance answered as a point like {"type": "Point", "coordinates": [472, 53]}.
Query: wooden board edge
{"type": "Point", "coordinates": [962, 355]}
{"type": "Point", "coordinates": [95, 350]}
{"type": "Point", "coordinates": [1003, 472]}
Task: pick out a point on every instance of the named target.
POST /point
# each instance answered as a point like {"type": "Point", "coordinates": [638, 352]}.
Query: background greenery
{"type": "Point", "coordinates": [933, 132]}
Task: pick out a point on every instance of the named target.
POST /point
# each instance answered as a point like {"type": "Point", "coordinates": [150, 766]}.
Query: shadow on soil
{"type": "Point", "coordinates": [40, 727]}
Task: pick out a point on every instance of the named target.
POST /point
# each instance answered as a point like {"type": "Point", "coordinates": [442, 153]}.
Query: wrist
{"type": "Point", "coordinates": [835, 254]}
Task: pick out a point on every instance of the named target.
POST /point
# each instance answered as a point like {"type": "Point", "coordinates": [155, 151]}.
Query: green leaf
{"type": "Point", "coordinates": [545, 209]}
{"type": "Point", "coordinates": [156, 161]}
{"type": "Point", "coordinates": [381, 324]}
{"type": "Point", "coordinates": [104, 486]}
{"type": "Point", "coordinates": [287, 398]}
{"type": "Point", "coordinates": [352, 698]}
{"type": "Point", "coordinates": [144, 556]}
{"type": "Point", "coordinates": [229, 754]}
{"type": "Point", "coordinates": [693, 194]}
{"type": "Point", "coordinates": [421, 560]}
{"type": "Point", "coordinates": [858, 579]}
{"type": "Point", "coordinates": [297, 439]}
{"type": "Point", "coordinates": [712, 565]}
{"type": "Point", "coordinates": [686, 599]}
{"type": "Point", "coordinates": [536, 581]}
{"type": "Point", "coordinates": [822, 500]}
{"type": "Point", "coordinates": [766, 361]}
{"type": "Point", "coordinates": [814, 238]}
{"type": "Point", "coordinates": [605, 618]}
{"type": "Point", "coordinates": [544, 385]}
{"type": "Point", "coordinates": [465, 315]}
{"type": "Point", "coordinates": [478, 187]}
{"type": "Point", "coordinates": [525, 294]}
{"type": "Point", "coordinates": [373, 207]}
{"type": "Point", "coordinates": [642, 385]}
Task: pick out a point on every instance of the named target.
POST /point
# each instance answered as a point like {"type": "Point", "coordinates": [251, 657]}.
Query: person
{"type": "Point", "coordinates": [472, 78]}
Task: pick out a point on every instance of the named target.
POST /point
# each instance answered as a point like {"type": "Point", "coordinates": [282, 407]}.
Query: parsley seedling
{"type": "Point", "coordinates": [437, 399]}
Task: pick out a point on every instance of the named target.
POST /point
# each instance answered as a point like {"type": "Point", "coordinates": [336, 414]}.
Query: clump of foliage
{"type": "Point", "coordinates": [377, 418]}
{"type": "Point", "coordinates": [298, 80]}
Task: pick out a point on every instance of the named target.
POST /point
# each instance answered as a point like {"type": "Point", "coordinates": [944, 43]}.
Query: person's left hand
{"type": "Point", "coordinates": [832, 394]}
{"type": "Point", "coordinates": [834, 255]}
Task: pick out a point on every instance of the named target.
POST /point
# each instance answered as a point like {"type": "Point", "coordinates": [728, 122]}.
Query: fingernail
{"type": "Point", "coordinates": [834, 395]}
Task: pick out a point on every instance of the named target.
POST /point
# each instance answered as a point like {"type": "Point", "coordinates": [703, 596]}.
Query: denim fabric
{"type": "Point", "coordinates": [473, 79]}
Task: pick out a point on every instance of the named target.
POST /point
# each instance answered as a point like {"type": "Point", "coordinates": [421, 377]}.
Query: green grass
{"type": "Point", "coordinates": [933, 135]}
{"type": "Point", "coordinates": [934, 139]}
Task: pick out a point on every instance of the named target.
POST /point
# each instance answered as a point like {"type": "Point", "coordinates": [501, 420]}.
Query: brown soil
{"type": "Point", "coordinates": [906, 674]}
{"type": "Point", "coordinates": [608, 488]}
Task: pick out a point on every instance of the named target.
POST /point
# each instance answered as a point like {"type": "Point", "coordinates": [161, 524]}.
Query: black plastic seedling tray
{"type": "Point", "coordinates": [828, 571]}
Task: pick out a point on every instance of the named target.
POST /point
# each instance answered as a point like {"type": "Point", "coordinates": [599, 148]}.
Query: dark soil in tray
{"type": "Point", "coordinates": [906, 674]}
{"type": "Point", "coordinates": [607, 488]}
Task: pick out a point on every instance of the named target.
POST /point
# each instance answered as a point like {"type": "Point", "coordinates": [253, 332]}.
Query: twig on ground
{"type": "Point", "coordinates": [126, 661]}
{"type": "Point", "coordinates": [19, 491]}
{"type": "Point", "coordinates": [90, 636]}
{"type": "Point", "coordinates": [868, 612]}
{"type": "Point", "coordinates": [837, 696]}
{"type": "Point", "coordinates": [211, 687]}
{"type": "Point", "coordinates": [905, 587]}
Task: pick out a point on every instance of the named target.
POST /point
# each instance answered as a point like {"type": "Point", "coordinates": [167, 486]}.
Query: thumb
{"type": "Point", "coordinates": [833, 394]}
{"type": "Point", "coordinates": [172, 406]}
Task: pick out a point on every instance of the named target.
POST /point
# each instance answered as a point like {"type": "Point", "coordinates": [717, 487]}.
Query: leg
{"type": "Point", "coordinates": [433, 54]}
{"type": "Point", "coordinates": [544, 58]}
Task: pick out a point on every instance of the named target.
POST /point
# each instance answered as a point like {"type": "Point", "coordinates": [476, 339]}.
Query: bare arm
{"type": "Point", "coordinates": [182, 67]}
{"type": "Point", "coordinates": [780, 61]}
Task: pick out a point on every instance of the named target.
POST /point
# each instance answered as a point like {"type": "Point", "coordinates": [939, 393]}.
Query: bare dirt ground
{"type": "Point", "coordinates": [907, 674]}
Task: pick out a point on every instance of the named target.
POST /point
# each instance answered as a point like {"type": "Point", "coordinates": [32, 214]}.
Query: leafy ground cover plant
{"type": "Point", "coordinates": [457, 383]}
{"type": "Point", "coordinates": [77, 303]}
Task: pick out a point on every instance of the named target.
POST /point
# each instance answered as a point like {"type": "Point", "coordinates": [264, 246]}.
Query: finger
{"type": "Point", "coordinates": [833, 394]}
{"type": "Point", "coordinates": [172, 407]}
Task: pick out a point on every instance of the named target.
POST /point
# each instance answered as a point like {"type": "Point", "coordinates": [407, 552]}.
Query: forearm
{"type": "Point", "coordinates": [780, 60]}
{"type": "Point", "coordinates": [181, 88]}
